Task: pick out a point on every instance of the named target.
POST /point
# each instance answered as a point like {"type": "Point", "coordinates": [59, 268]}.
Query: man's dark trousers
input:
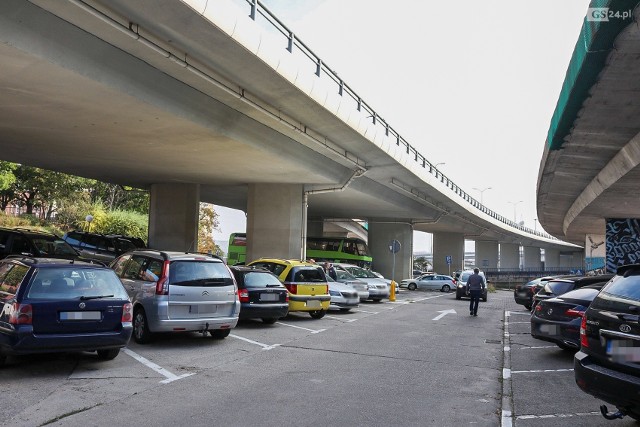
{"type": "Point", "coordinates": [474, 296]}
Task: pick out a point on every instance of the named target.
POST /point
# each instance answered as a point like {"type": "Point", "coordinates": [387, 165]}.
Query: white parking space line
{"type": "Point", "coordinates": [538, 417]}
{"type": "Point", "coordinates": [506, 413]}
{"type": "Point", "coordinates": [426, 298]}
{"type": "Point", "coordinates": [538, 347]}
{"type": "Point", "coordinates": [341, 319]}
{"type": "Point", "coordinates": [523, 313]}
{"type": "Point", "coordinates": [538, 371]}
{"type": "Point", "coordinates": [313, 331]}
{"type": "Point", "coordinates": [159, 369]}
{"type": "Point", "coordinates": [365, 311]}
{"type": "Point", "coordinates": [513, 323]}
{"type": "Point", "coordinates": [264, 346]}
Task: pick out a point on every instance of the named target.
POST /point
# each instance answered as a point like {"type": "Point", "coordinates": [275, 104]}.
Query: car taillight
{"type": "Point", "coordinates": [538, 308]}
{"type": "Point", "coordinates": [584, 342]}
{"type": "Point", "coordinates": [244, 295]}
{"type": "Point", "coordinates": [292, 288]}
{"type": "Point", "coordinates": [127, 313]}
{"type": "Point", "coordinates": [162, 286]}
{"type": "Point", "coordinates": [286, 297]}
{"type": "Point", "coordinates": [574, 312]}
{"type": "Point", "coordinates": [21, 314]}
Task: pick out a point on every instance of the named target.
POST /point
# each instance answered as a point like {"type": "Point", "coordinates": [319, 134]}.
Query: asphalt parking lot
{"type": "Point", "coordinates": [420, 361]}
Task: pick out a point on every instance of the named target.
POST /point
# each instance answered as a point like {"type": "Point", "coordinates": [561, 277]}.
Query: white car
{"type": "Point", "coordinates": [347, 278]}
{"type": "Point", "coordinates": [343, 297]}
{"type": "Point", "coordinates": [378, 288]}
{"type": "Point", "coordinates": [430, 281]}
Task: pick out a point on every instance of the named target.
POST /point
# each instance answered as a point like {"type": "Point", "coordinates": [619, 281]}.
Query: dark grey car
{"type": "Point", "coordinates": [178, 292]}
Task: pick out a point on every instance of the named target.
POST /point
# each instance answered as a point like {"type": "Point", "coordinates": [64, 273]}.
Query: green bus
{"type": "Point", "coordinates": [333, 249]}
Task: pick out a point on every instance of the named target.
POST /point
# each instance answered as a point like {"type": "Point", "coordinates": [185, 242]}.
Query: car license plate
{"type": "Point", "coordinates": [623, 351]}
{"type": "Point", "coordinates": [269, 297]}
{"type": "Point", "coordinates": [314, 304]}
{"type": "Point", "coordinates": [80, 315]}
{"type": "Point", "coordinates": [203, 309]}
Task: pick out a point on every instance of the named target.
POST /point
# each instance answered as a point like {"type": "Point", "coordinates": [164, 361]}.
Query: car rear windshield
{"type": "Point", "coordinates": [199, 273]}
{"type": "Point", "coordinates": [558, 288]}
{"type": "Point", "coordinates": [52, 246]}
{"type": "Point", "coordinates": [622, 291]}
{"type": "Point", "coordinates": [258, 279]}
{"type": "Point", "coordinates": [306, 274]}
{"type": "Point", "coordinates": [68, 283]}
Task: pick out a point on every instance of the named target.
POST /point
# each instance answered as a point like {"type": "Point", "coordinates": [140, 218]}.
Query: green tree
{"type": "Point", "coordinates": [422, 263]}
{"type": "Point", "coordinates": [207, 224]}
{"type": "Point", "coordinates": [118, 197]}
{"type": "Point", "coordinates": [7, 178]}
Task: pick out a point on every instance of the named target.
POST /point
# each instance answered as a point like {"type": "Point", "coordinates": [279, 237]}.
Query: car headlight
{"type": "Point", "coordinates": [460, 286]}
{"type": "Point", "coordinates": [334, 293]}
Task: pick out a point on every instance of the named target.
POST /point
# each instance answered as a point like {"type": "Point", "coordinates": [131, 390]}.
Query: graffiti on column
{"type": "Point", "coordinates": [623, 242]}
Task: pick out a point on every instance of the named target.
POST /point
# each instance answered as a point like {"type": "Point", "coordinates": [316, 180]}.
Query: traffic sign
{"type": "Point", "coordinates": [448, 259]}
{"type": "Point", "coordinates": [394, 246]}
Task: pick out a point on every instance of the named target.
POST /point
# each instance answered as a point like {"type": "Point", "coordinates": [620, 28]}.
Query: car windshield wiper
{"type": "Point", "coordinates": [84, 298]}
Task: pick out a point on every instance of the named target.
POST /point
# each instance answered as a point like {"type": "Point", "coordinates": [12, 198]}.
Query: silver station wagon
{"type": "Point", "coordinates": [178, 292]}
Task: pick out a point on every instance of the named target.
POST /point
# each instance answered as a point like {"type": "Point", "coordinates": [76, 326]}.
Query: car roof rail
{"type": "Point", "coordinates": [22, 257]}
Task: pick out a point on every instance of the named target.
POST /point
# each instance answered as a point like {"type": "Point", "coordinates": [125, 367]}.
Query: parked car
{"type": "Point", "coordinates": [429, 281]}
{"type": "Point", "coordinates": [557, 320]}
{"type": "Point", "coordinates": [261, 294]}
{"type": "Point", "coordinates": [102, 247]}
{"type": "Point", "coordinates": [178, 292]}
{"type": "Point", "coordinates": [306, 283]}
{"type": "Point", "coordinates": [378, 288]}
{"type": "Point", "coordinates": [558, 286]}
{"type": "Point", "coordinates": [343, 297]}
{"type": "Point", "coordinates": [523, 294]}
{"type": "Point", "coordinates": [360, 286]}
{"type": "Point", "coordinates": [461, 284]}
{"type": "Point", "coordinates": [53, 305]}
{"type": "Point", "coordinates": [35, 243]}
{"type": "Point", "coordinates": [608, 363]}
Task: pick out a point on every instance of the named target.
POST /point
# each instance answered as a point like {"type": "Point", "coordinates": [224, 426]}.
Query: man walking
{"type": "Point", "coordinates": [475, 287]}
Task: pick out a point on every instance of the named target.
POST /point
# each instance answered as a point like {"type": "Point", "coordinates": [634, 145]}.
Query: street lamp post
{"type": "Point", "coordinates": [482, 192]}
{"type": "Point", "coordinates": [514, 209]}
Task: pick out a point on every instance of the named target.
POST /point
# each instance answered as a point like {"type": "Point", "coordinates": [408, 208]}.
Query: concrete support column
{"type": "Point", "coordinates": [532, 257]}
{"type": "Point", "coordinates": [551, 258]}
{"type": "Point", "coordinates": [173, 216]}
{"type": "Point", "coordinates": [380, 234]}
{"type": "Point", "coordinates": [445, 245]}
{"type": "Point", "coordinates": [315, 228]}
{"type": "Point", "coordinates": [275, 216]}
{"type": "Point", "coordinates": [509, 256]}
{"type": "Point", "coordinates": [486, 254]}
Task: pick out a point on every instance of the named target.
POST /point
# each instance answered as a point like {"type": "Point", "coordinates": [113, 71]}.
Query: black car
{"type": "Point", "coordinates": [261, 293]}
{"type": "Point", "coordinates": [523, 294]}
{"type": "Point", "coordinates": [557, 320]}
{"type": "Point", "coordinates": [558, 286]}
{"type": "Point", "coordinates": [35, 243]}
{"type": "Point", "coordinates": [52, 305]}
{"type": "Point", "coordinates": [102, 247]}
{"type": "Point", "coordinates": [608, 363]}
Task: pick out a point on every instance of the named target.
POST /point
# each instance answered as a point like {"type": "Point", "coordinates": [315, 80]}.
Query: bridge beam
{"type": "Point", "coordinates": [173, 216]}
{"type": "Point", "coordinates": [486, 254]}
{"type": "Point", "coordinates": [444, 245]}
{"type": "Point", "coordinates": [380, 234]}
{"type": "Point", "coordinates": [509, 256]}
{"type": "Point", "coordinates": [274, 221]}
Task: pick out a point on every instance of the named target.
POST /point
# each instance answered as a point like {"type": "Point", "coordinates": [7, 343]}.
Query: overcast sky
{"type": "Point", "coordinates": [470, 84]}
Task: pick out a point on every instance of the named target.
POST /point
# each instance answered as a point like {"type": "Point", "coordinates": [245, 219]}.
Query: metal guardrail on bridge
{"type": "Point", "coordinates": [268, 21]}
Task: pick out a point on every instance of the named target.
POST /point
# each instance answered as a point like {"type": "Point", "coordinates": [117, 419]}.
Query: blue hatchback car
{"type": "Point", "coordinates": [54, 305]}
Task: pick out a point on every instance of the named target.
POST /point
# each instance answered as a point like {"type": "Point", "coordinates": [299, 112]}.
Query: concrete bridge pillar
{"type": "Point", "coordinates": [532, 257]}
{"type": "Point", "coordinates": [509, 256]}
{"type": "Point", "coordinates": [486, 254]}
{"type": "Point", "coordinates": [380, 234]}
{"type": "Point", "coordinates": [551, 258]}
{"type": "Point", "coordinates": [173, 216]}
{"type": "Point", "coordinates": [445, 245]}
{"type": "Point", "coordinates": [274, 221]}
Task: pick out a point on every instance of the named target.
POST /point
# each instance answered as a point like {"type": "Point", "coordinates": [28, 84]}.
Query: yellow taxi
{"type": "Point", "coordinates": [306, 283]}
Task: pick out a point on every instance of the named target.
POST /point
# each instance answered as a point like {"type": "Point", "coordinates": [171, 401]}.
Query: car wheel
{"type": "Point", "coordinates": [141, 332]}
{"type": "Point", "coordinates": [376, 299]}
{"type": "Point", "coordinates": [3, 359]}
{"type": "Point", "coordinates": [109, 354]}
{"type": "Point", "coordinates": [269, 320]}
{"type": "Point", "coordinates": [412, 286]}
{"type": "Point", "coordinates": [484, 299]}
{"type": "Point", "coordinates": [527, 306]}
{"type": "Point", "coordinates": [345, 309]}
{"type": "Point", "coordinates": [220, 334]}
{"type": "Point", "coordinates": [318, 314]}
{"type": "Point", "coordinates": [446, 288]}
{"type": "Point", "coordinates": [458, 296]}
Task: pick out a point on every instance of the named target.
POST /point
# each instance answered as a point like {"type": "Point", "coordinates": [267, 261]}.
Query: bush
{"type": "Point", "coordinates": [120, 222]}
{"type": "Point", "coordinates": [28, 221]}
